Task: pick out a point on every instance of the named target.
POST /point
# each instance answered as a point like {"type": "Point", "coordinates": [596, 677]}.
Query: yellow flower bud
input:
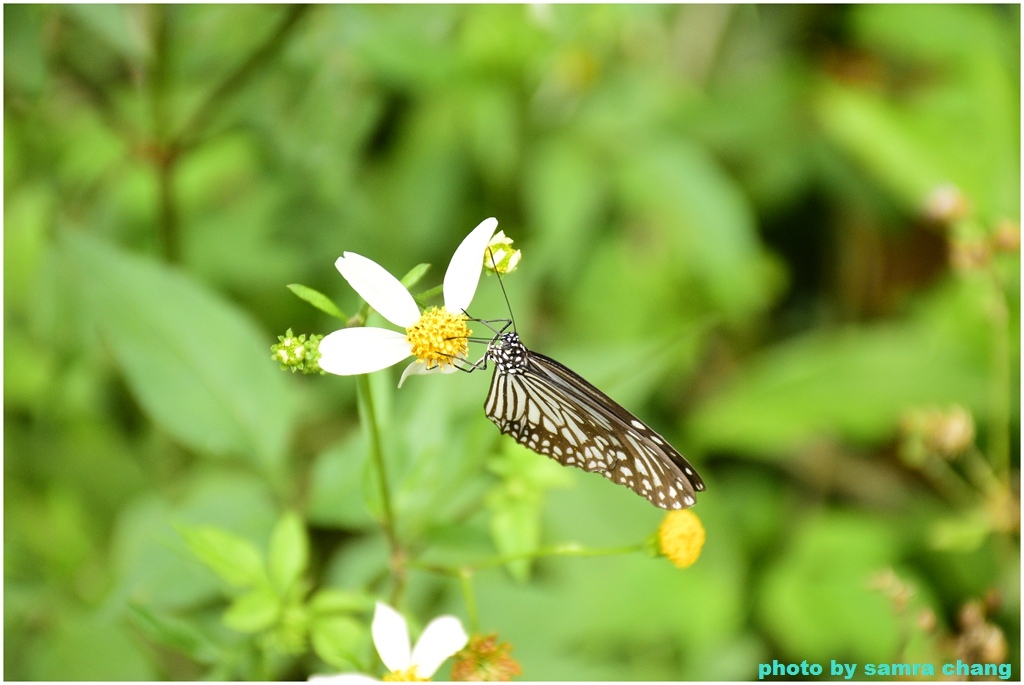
{"type": "Point", "coordinates": [681, 537]}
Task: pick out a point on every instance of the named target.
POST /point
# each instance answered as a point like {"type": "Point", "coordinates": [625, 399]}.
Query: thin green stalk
{"type": "Point", "coordinates": [564, 550]}
{"type": "Point", "coordinates": [170, 235]}
{"type": "Point", "coordinates": [466, 581]}
{"type": "Point", "coordinates": [465, 572]}
{"type": "Point", "coordinates": [199, 121]}
{"type": "Point", "coordinates": [169, 146]}
{"type": "Point", "coordinates": [947, 481]}
{"type": "Point", "coordinates": [980, 473]}
{"type": "Point", "coordinates": [377, 457]}
{"type": "Point", "coordinates": [999, 441]}
{"type": "Point", "coordinates": [165, 154]}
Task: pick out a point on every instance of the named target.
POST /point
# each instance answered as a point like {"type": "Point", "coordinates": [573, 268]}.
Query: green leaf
{"type": "Point", "coordinates": [254, 611]}
{"type": "Point", "coordinates": [517, 504]}
{"type": "Point", "coordinates": [24, 52]}
{"type": "Point", "coordinates": [700, 212]}
{"type": "Point", "coordinates": [337, 640]}
{"type": "Point", "coordinates": [317, 299]}
{"type": "Point", "coordinates": [819, 593]}
{"type": "Point", "coordinates": [964, 532]}
{"type": "Point", "coordinates": [288, 554]}
{"type": "Point", "coordinates": [515, 529]}
{"type": "Point", "coordinates": [331, 601]}
{"type": "Point", "coordinates": [910, 145]}
{"type": "Point", "coordinates": [494, 129]}
{"type": "Point", "coordinates": [565, 188]}
{"type": "Point", "coordinates": [174, 633]}
{"type": "Point", "coordinates": [335, 496]}
{"type": "Point", "coordinates": [113, 24]}
{"type": "Point", "coordinates": [89, 647]}
{"type": "Point", "coordinates": [149, 555]}
{"type": "Point", "coordinates": [415, 275]}
{"type": "Point", "coordinates": [233, 558]}
{"type": "Point", "coordinates": [195, 363]}
{"type": "Point", "coordinates": [873, 133]}
{"type": "Point", "coordinates": [854, 383]}
{"type": "Point", "coordinates": [518, 464]}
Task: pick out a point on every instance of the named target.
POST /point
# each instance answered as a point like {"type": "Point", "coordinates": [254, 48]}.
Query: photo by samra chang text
{"type": "Point", "coordinates": [847, 671]}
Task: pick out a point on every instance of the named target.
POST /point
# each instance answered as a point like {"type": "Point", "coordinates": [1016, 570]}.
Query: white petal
{"type": "Point", "coordinates": [380, 289]}
{"type": "Point", "coordinates": [391, 638]}
{"type": "Point", "coordinates": [440, 639]}
{"type": "Point", "coordinates": [358, 350]}
{"type": "Point", "coordinates": [342, 679]}
{"type": "Point", "coordinates": [415, 369]}
{"type": "Point", "coordinates": [463, 273]}
{"type": "Point", "coordinates": [419, 369]}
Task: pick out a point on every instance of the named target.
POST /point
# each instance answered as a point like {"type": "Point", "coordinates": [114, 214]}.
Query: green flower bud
{"type": "Point", "coordinates": [298, 353]}
{"type": "Point", "coordinates": [500, 256]}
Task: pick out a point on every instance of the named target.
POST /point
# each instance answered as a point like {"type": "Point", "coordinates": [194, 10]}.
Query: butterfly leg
{"type": "Point", "coordinates": [467, 366]}
{"type": "Point", "coordinates": [505, 323]}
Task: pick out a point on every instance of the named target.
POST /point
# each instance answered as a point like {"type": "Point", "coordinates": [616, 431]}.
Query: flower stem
{"type": "Point", "coordinates": [198, 124]}
{"type": "Point", "coordinates": [569, 549]}
{"type": "Point", "coordinates": [465, 572]}
{"type": "Point", "coordinates": [377, 455]}
{"type": "Point", "coordinates": [164, 153]}
{"type": "Point", "coordinates": [999, 442]}
{"type": "Point", "coordinates": [564, 550]}
{"type": "Point", "coordinates": [466, 581]}
{"type": "Point", "coordinates": [980, 473]}
{"type": "Point", "coordinates": [946, 480]}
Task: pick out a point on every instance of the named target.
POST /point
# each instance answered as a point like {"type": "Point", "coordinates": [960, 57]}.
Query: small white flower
{"type": "Point", "coordinates": [442, 638]}
{"type": "Point", "coordinates": [500, 256]}
{"type": "Point", "coordinates": [436, 336]}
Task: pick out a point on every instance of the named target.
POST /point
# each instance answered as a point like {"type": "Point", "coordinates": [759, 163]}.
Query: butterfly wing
{"type": "Point", "coordinates": [553, 411]}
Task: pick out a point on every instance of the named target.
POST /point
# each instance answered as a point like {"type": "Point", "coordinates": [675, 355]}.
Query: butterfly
{"type": "Point", "coordinates": [553, 411]}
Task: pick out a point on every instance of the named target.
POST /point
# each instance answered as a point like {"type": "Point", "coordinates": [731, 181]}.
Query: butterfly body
{"type": "Point", "coordinates": [553, 411]}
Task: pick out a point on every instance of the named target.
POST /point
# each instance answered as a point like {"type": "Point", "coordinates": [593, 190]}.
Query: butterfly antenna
{"type": "Point", "coordinates": [494, 267]}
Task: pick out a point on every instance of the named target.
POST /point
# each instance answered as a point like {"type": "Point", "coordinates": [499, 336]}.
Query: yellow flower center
{"type": "Point", "coordinates": [681, 537]}
{"type": "Point", "coordinates": [439, 337]}
{"type": "Point", "coordinates": [407, 676]}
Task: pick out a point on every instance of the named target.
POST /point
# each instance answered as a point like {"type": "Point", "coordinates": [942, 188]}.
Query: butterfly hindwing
{"type": "Point", "coordinates": [553, 411]}
{"type": "Point", "coordinates": [621, 418]}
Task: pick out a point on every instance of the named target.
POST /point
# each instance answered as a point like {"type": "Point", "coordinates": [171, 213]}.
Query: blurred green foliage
{"type": "Point", "coordinates": [774, 232]}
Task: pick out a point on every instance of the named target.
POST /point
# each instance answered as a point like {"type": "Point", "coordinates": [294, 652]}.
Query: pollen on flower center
{"type": "Point", "coordinates": [407, 676]}
{"type": "Point", "coordinates": [439, 337]}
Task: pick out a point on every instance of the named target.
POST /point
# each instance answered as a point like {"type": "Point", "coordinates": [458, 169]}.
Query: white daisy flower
{"type": "Point", "coordinates": [442, 638]}
{"type": "Point", "coordinates": [436, 336]}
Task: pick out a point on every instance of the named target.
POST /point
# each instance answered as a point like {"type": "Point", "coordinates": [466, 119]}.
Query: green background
{"type": "Point", "coordinates": [722, 217]}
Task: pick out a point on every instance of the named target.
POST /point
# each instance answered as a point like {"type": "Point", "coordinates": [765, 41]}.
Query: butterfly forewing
{"type": "Point", "coordinates": [552, 410]}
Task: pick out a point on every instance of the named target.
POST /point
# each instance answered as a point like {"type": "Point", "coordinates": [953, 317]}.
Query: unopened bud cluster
{"type": "Point", "coordinates": [298, 352]}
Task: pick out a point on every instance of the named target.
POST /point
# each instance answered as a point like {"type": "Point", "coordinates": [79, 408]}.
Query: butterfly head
{"type": "Point", "coordinates": [508, 354]}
